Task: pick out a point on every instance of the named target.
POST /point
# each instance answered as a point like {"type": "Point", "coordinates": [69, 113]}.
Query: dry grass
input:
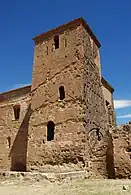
{"type": "Point", "coordinates": [75, 187]}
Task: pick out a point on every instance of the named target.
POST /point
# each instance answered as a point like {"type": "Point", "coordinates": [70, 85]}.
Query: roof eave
{"type": "Point", "coordinates": [60, 28]}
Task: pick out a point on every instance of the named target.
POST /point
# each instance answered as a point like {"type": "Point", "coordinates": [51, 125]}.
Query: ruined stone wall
{"type": "Point", "coordinates": [81, 138]}
{"type": "Point", "coordinates": [121, 136]}
{"type": "Point", "coordinates": [108, 95]}
{"type": "Point", "coordinates": [60, 67]}
{"type": "Point", "coordinates": [74, 145]}
{"type": "Point", "coordinates": [95, 113]}
{"type": "Point", "coordinates": [109, 105]}
{"type": "Point", "coordinates": [13, 133]}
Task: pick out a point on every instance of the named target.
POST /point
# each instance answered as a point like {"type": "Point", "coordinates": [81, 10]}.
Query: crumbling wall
{"type": "Point", "coordinates": [95, 113]}
{"type": "Point", "coordinates": [79, 121]}
{"type": "Point", "coordinates": [110, 158]}
{"type": "Point", "coordinates": [109, 104]}
{"type": "Point", "coordinates": [122, 150]}
{"type": "Point", "coordinates": [60, 67]}
{"type": "Point", "coordinates": [75, 144]}
{"type": "Point", "coordinates": [13, 135]}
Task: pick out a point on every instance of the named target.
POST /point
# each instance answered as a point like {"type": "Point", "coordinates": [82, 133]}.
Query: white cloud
{"type": "Point", "coordinates": [125, 116]}
{"type": "Point", "coordinates": [122, 104]}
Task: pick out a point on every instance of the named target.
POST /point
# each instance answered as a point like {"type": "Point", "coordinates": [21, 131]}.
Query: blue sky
{"type": "Point", "coordinates": [20, 20]}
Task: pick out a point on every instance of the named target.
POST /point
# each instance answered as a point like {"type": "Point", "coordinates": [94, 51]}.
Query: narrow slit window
{"type": "Point", "coordinates": [65, 42]}
{"type": "Point", "coordinates": [50, 130]}
{"type": "Point", "coordinates": [107, 103]}
{"type": "Point", "coordinates": [47, 50]}
{"type": "Point", "coordinates": [8, 142]}
{"type": "Point", "coordinates": [56, 41]}
{"type": "Point", "coordinates": [62, 92]}
{"type": "Point", "coordinates": [17, 112]}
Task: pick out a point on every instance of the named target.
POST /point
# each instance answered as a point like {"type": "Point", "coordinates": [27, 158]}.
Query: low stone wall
{"type": "Point", "coordinates": [52, 177]}
{"type": "Point", "coordinates": [121, 136]}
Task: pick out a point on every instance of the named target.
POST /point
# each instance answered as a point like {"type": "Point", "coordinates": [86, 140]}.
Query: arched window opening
{"type": "Point", "coordinates": [8, 142]}
{"type": "Point", "coordinates": [56, 41]}
{"type": "Point", "coordinates": [17, 112]}
{"type": "Point", "coordinates": [62, 92]}
{"type": "Point", "coordinates": [50, 130]}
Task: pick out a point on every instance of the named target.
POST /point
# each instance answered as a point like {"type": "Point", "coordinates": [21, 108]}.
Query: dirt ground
{"type": "Point", "coordinates": [75, 187]}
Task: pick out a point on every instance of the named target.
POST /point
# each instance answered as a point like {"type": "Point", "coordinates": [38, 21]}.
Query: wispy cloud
{"type": "Point", "coordinates": [125, 116]}
{"type": "Point", "coordinates": [122, 104]}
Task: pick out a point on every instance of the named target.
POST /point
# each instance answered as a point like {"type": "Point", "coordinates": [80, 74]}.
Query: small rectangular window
{"type": "Point", "coordinates": [50, 131]}
{"type": "Point", "coordinates": [56, 41]}
{"type": "Point", "coordinates": [62, 92]}
{"type": "Point", "coordinates": [16, 112]}
{"type": "Point", "coordinates": [47, 50]}
{"type": "Point", "coordinates": [107, 103]}
{"type": "Point", "coordinates": [65, 42]}
{"type": "Point", "coordinates": [8, 142]}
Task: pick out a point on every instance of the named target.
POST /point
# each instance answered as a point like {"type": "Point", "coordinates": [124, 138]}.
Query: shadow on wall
{"type": "Point", "coordinates": [18, 151]}
{"type": "Point", "coordinates": [110, 158]}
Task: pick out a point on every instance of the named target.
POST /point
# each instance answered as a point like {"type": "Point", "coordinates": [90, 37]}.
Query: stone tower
{"type": "Point", "coordinates": [68, 125]}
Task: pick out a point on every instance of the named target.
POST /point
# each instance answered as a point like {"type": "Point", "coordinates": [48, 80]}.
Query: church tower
{"type": "Point", "coordinates": [68, 125]}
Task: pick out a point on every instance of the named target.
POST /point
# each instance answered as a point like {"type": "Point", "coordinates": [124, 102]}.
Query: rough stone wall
{"type": "Point", "coordinates": [13, 133]}
{"type": "Point", "coordinates": [95, 113]}
{"type": "Point", "coordinates": [108, 96]}
{"type": "Point", "coordinates": [74, 145]}
{"type": "Point", "coordinates": [121, 136]}
{"type": "Point", "coordinates": [81, 134]}
{"type": "Point", "coordinates": [64, 67]}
